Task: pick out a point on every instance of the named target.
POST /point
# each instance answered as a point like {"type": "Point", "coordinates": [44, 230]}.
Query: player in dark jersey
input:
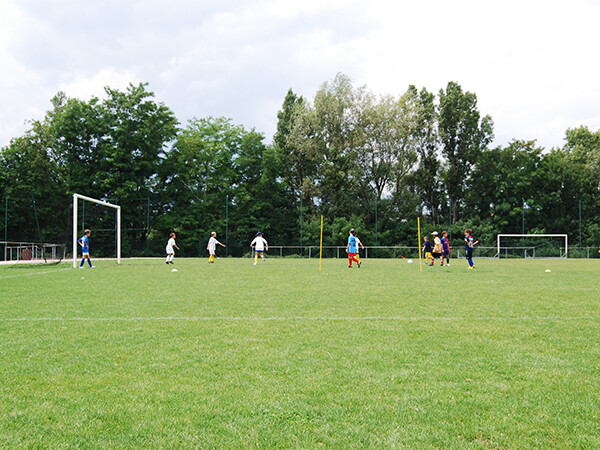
{"type": "Point", "coordinates": [445, 248]}
{"type": "Point", "coordinates": [427, 249]}
{"type": "Point", "coordinates": [470, 242]}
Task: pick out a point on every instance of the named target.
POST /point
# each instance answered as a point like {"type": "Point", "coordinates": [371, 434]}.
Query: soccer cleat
{"type": "Point", "coordinates": [254, 264]}
{"type": "Point", "coordinates": [92, 267]}
{"type": "Point", "coordinates": [349, 267]}
{"type": "Point", "coordinates": [359, 264]}
{"type": "Point", "coordinates": [81, 267]}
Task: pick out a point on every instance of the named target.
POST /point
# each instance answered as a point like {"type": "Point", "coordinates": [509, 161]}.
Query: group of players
{"type": "Point", "coordinates": [439, 249]}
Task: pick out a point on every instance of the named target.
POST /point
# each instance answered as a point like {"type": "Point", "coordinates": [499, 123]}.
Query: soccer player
{"type": "Point", "coordinates": [357, 244]}
{"type": "Point", "coordinates": [260, 246]}
{"type": "Point", "coordinates": [351, 249]}
{"type": "Point", "coordinates": [212, 245]}
{"type": "Point", "coordinates": [469, 244]}
{"type": "Point", "coordinates": [427, 248]}
{"type": "Point", "coordinates": [171, 245]}
{"type": "Point", "coordinates": [445, 248]}
{"type": "Point", "coordinates": [437, 248]}
{"type": "Point", "coordinates": [84, 242]}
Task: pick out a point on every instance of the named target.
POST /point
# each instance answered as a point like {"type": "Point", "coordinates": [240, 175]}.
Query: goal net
{"type": "Point", "coordinates": [533, 246]}
{"type": "Point", "coordinates": [117, 228]}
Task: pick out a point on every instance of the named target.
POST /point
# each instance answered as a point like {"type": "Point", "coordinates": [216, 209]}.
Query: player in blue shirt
{"type": "Point", "coordinates": [352, 250]}
{"type": "Point", "coordinates": [469, 244]}
{"type": "Point", "coordinates": [84, 241]}
{"type": "Point", "coordinates": [445, 248]}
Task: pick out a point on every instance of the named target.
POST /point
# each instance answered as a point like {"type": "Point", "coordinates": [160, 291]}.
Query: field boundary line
{"type": "Point", "coordinates": [32, 274]}
{"type": "Point", "coordinates": [295, 318]}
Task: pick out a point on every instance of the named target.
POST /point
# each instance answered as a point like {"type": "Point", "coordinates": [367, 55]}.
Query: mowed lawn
{"type": "Point", "coordinates": [280, 355]}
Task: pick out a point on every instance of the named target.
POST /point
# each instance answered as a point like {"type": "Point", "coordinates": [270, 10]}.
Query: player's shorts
{"type": "Point", "coordinates": [211, 252]}
{"type": "Point", "coordinates": [436, 254]}
{"type": "Point", "coordinates": [85, 253]}
{"type": "Point", "coordinates": [445, 253]}
{"type": "Point", "coordinates": [170, 250]}
{"type": "Point", "coordinates": [259, 251]}
{"type": "Point", "coordinates": [469, 253]}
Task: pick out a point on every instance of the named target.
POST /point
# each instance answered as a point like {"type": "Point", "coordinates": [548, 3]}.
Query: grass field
{"type": "Point", "coordinates": [280, 355]}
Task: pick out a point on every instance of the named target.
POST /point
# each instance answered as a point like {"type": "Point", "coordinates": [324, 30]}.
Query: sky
{"type": "Point", "coordinates": [532, 64]}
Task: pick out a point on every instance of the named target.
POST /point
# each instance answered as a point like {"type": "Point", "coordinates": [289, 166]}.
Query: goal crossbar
{"type": "Point", "coordinates": [563, 236]}
{"type": "Point", "coordinates": [77, 197]}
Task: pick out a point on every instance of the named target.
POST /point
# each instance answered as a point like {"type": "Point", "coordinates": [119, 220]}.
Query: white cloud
{"type": "Point", "coordinates": [532, 64]}
{"type": "Point", "coordinates": [85, 87]}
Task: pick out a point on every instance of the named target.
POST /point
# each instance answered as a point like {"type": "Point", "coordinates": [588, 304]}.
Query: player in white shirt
{"type": "Point", "coordinates": [171, 245]}
{"type": "Point", "coordinates": [260, 245]}
{"type": "Point", "coordinates": [358, 243]}
{"type": "Point", "coordinates": [212, 245]}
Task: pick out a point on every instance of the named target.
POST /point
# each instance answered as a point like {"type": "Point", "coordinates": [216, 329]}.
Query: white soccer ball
{"type": "Point", "coordinates": [409, 261]}
{"type": "Point", "coordinates": [548, 270]}
{"type": "Point", "coordinates": [174, 270]}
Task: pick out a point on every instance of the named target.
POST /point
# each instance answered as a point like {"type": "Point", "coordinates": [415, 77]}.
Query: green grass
{"type": "Point", "coordinates": [280, 355]}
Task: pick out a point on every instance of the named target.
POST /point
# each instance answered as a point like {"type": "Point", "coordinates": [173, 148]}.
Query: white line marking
{"type": "Point", "coordinates": [32, 274]}
{"type": "Point", "coordinates": [294, 318]}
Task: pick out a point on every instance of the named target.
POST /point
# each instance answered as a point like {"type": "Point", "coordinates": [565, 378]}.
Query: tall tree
{"type": "Point", "coordinates": [426, 178]}
{"type": "Point", "coordinates": [337, 135]}
{"type": "Point", "coordinates": [464, 134]}
{"type": "Point", "coordinates": [139, 130]}
{"type": "Point", "coordinates": [295, 146]}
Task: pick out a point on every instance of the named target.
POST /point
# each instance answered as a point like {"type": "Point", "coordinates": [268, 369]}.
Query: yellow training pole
{"type": "Point", "coordinates": [321, 245]}
{"type": "Point", "coordinates": [419, 245]}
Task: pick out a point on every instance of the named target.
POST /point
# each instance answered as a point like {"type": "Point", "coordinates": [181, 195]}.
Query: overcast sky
{"type": "Point", "coordinates": [533, 64]}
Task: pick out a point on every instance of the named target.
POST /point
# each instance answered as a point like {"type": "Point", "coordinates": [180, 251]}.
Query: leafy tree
{"type": "Point", "coordinates": [337, 135]}
{"type": "Point", "coordinates": [503, 179]}
{"type": "Point", "coordinates": [464, 134]}
{"type": "Point", "coordinates": [138, 132]}
{"type": "Point", "coordinates": [77, 133]}
{"type": "Point", "coordinates": [426, 179]}
{"type": "Point", "coordinates": [294, 145]}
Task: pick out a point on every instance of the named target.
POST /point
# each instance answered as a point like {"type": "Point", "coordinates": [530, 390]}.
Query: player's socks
{"type": "Point", "coordinates": [82, 261]}
{"type": "Point", "coordinates": [90, 262]}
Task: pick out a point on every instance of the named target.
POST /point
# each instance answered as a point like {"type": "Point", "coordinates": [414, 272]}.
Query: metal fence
{"type": "Point", "coordinates": [32, 251]}
{"type": "Point", "coordinates": [330, 251]}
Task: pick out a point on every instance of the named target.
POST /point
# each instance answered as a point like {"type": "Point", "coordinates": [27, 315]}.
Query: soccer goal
{"type": "Point", "coordinates": [76, 198]}
{"type": "Point", "coordinates": [533, 246]}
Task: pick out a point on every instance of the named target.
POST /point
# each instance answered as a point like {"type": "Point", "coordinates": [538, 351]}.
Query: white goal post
{"type": "Point", "coordinates": [563, 236]}
{"type": "Point", "coordinates": [77, 197]}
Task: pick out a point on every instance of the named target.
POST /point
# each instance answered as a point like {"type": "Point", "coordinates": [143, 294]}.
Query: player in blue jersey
{"type": "Point", "coordinates": [445, 248]}
{"type": "Point", "coordinates": [84, 242]}
{"type": "Point", "coordinates": [470, 242]}
{"type": "Point", "coordinates": [352, 249]}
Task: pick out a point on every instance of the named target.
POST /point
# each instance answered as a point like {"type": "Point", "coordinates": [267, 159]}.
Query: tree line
{"type": "Point", "coordinates": [374, 163]}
